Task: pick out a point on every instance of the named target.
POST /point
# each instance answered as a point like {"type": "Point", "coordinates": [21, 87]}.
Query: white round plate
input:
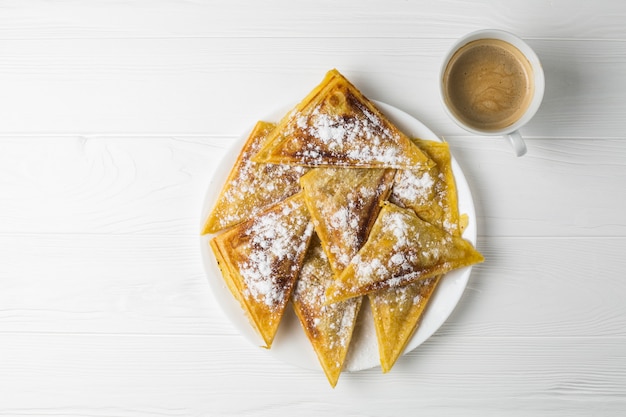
{"type": "Point", "coordinates": [291, 344]}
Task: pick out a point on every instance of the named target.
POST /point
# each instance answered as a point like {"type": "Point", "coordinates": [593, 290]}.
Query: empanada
{"type": "Point", "coordinates": [344, 204]}
{"type": "Point", "coordinates": [252, 187]}
{"type": "Point", "coordinates": [335, 125]}
{"type": "Point", "coordinates": [401, 249]}
{"type": "Point", "coordinates": [432, 194]}
{"type": "Point", "coordinates": [328, 327]}
{"type": "Point", "coordinates": [261, 258]}
{"type": "Point", "coordinates": [396, 313]}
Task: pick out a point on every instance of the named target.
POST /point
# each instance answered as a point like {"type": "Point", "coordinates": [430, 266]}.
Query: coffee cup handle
{"type": "Point", "coordinates": [517, 142]}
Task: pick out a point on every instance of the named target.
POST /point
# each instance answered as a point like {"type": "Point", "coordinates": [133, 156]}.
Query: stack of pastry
{"type": "Point", "coordinates": [332, 206]}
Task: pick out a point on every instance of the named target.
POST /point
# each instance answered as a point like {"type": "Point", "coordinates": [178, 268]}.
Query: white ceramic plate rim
{"type": "Point", "coordinates": [290, 344]}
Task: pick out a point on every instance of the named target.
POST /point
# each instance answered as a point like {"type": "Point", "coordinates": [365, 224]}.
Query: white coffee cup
{"type": "Point", "coordinates": [473, 103]}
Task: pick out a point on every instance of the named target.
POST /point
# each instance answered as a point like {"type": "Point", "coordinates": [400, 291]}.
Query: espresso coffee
{"type": "Point", "coordinates": [488, 84]}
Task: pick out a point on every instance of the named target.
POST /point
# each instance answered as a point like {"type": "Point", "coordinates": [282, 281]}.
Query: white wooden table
{"type": "Point", "coordinates": [113, 116]}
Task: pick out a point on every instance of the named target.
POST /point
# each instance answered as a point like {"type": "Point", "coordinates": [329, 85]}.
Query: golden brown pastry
{"type": "Point", "coordinates": [401, 249]}
{"type": "Point", "coordinates": [430, 193]}
{"type": "Point", "coordinates": [397, 313]}
{"type": "Point", "coordinates": [343, 204]}
{"type": "Point", "coordinates": [330, 165]}
{"type": "Point", "coordinates": [252, 187]}
{"type": "Point", "coordinates": [328, 327]}
{"type": "Point", "coordinates": [260, 260]}
{"type": "Point", "coordinates": [335, 125]}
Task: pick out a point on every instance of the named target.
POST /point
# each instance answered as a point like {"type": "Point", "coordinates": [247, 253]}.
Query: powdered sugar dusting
{"type": "Point", "coordinates": [414, 186]}
{"type": "Point", "coordinates": [403, 297]}
{"type": "Point", "coordinates": [412, 247]}
{"type": "Point", "coordinates": [401, 258]}
{"type": "Point", "coordinates": [332, 324]}
{"type": "Point", "coordinates": [430, 193]}
{"type": "Point", "coordinates": [277, 239]}
{"type": "Point", "coordinates": [255, 186]}
{"type": "Point", "coordinates": [346, 223]}
{"type": "Point", "coordinates": [342, 202]}
{"type": "Point", "coordinates": [361, 138]}
{"type": "Point", "coordinates": [310, 284]}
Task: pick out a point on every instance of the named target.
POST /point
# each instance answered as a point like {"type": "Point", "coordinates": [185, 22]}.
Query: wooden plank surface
{"type": "Point", "coordinates": [602, 19]}
{"type": "Point", "coordinates": [154, 375]}
{"type": "Point", "coordinates": [114, 117]}
{"type": "Point", "coordinates": [156, 185]}
{"type": "Point", "coordinates": [178, 86]}
{"type": "Point", "coordinates": [154, 284]}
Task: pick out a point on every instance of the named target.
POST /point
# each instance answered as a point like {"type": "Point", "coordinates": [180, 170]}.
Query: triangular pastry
{"type": "Point", "coordinates": [344, 204]}
{"type": "Point", "coordinates": [432, 194]}
{"type": "Point", "coordinates": [252, 187]}
{"type": "Point", "coordinates": [335, 125]}
{"type": "Point", "coordinates": [260, 260]}
{"type": "Point", "coordinates": [401, 249]}
{"type": "Point", "coordinates": [328, 327]}
{"type": "Point", "coordinates": [396, 313]}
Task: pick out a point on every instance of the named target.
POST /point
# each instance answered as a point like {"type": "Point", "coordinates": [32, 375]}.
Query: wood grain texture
{"type": "Point", "coordinates": [156, 185]}
{"type": "Point", "coordinates": [156, 285]}
{"type": "Point", "coordinates": [602, 19]}
{"type": "Point", "coordinates": [564, 187]}
{"type": "Point", "coordinates": [178, 86]}
{"type": "Point", "coordinates": [152, 185]}
{"type": "Point", "coordinates": [140, 376]}
{"type": "Point", "coordinates": [114, 115]}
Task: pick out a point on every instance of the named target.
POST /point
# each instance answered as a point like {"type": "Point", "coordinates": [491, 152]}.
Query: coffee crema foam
{"type": "Point", "coordinates": [488, 84]}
